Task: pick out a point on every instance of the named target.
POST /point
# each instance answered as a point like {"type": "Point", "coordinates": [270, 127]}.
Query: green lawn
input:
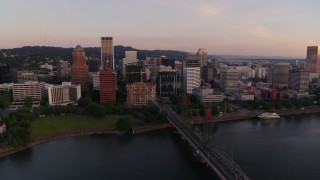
{"type": "Point", "coordinates": [55, 125]}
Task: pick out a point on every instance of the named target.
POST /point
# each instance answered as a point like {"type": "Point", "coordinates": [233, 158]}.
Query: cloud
{"type": "Point", "coordinates": [201, 8]}
{"type": "Point", "coordinates": [261, 32]}
{"type": "Point", "coordinates": [209, 10]}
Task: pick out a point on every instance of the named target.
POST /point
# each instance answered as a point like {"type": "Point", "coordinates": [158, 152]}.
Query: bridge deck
{"type": "Point", "coordinates": [219, 161]}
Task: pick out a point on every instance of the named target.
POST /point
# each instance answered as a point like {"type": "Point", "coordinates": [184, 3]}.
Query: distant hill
{"type": "Point", "coordinates": [119, 52]}
{"type": "Point", "coordinates": [239, 57]}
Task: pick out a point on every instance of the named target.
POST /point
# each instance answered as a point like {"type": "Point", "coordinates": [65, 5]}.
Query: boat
{"type": "Point", "coordinates": [269, 115]}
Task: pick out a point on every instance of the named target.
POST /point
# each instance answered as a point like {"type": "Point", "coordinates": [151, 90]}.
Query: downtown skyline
{"type": "Point", "coordinates": [262, 28]}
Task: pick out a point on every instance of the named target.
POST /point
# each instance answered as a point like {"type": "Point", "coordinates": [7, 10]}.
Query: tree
{"type": "Point", "coordinates": [4, 102]}
{"type": "Point", "coordinates": [96, 110]}
{"type": "Point", "coordinates": [287, 103]}
{"type": "Point", "coordinates": [266, 105]}
{"type": "Point", "coordinates": [2, 140]}
{"type": "Point", "coordinates": [215, 109]}
{"type": "Point", "coordinates": [28, 102]}
{"type": "Point", "coordinates": [124, 124]}
{"type": "Point", "coordinates": [193, 99]}
{"type": "Point", "coordinates": [162, 117]}
{"type": "Point", "coordinates": [277, 105]}
{"type": "Point", "coordinates": [19, 136]}
{"type": "Point", "coordinates": [176, 99]}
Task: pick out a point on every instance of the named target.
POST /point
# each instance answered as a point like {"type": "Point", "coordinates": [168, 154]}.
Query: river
{"type": "Point", "coordinates": [288, 148]}
{"type": "Point", "coordinates": [157, 155]}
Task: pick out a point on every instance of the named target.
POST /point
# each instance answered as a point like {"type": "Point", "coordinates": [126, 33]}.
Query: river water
{"type": "Point", "coordinates": [157, 155]}
{"type": "Point", "coordinates": [288, 148]}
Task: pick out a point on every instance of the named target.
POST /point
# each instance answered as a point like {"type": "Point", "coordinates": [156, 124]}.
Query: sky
{"type": "Point", "coordinates": [223, 27]}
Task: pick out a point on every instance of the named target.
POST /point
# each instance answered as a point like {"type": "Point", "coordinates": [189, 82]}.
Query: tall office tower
{"type": "Point", "coordinates": [313, 59]}
{"type": "Point", "coordinates": [299, 80]}
{"type": "Point", "coordinates": [167, 81]}
{"type": "Point", "coordinates": [168, 62]}
{"type": "Point", "coordinates": [209, 73]}
{"type": "Point", "coordinates": [108, 86]}
{"type": "Point", "coordinates": [203, 57]}
{"type": "Point", "coordinates": [191, 75]}
{"type": "Point", "coordinates": [279, 74]}
{"type": "Point", "coordinates": [5, 74]}
{"type": "Point", "coordinates": [135, 73]}
{"type": "Point", "coordinates": [107, 53]}
{"type": "Point", "coordinates": [229, 79]}
{"type": "Point", "coordinates": [79, 69]}
{"type": "Point", "coordinates": [131, 57]}
{"type": "Point", "coordinates": [63, 68]}
{"type": "Point", "coordinates": [214, 63]}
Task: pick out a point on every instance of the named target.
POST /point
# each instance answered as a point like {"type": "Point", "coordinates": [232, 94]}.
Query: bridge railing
{"type": "Point", "coordinates": [220, 159]}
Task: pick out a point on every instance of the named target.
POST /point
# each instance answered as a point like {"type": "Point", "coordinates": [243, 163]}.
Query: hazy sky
{"type": "Point", "coordinates": [243, 27]}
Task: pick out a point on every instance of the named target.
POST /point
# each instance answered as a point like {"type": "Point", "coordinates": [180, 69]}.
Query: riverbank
{"type": "Point", "coordinates": [253, 115]}
{"type": "Point", "coordinates": [8, 150]}
{"type": "Point", "coordinates": [36, 139]}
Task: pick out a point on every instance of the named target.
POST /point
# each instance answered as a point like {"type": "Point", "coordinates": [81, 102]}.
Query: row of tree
{"type": "Point", "coordinates": [18, 126]}
{"type": "Point", "coordinates": [278, 104]}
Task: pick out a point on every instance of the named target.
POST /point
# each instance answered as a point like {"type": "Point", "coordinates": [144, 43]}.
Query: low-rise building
{"type": "Point", "coordinates": [26, 76]}
{"type": "Point", "coordinates": [244, 96]}
{"type": "Point", "coordinates": [207, 95]}
{"type": "Point", "coordinates": [32, 89]}
{"type": "Point", "coordinates": [46, 66]}
{"type": "Point", "coordinates": [64, 94]}
{"type": "Point", "coordinates": [140, 94]}
{"type": "Point", "coordinates": [296, 94]}
{"type": "Point", "coordinates": [6, 87]}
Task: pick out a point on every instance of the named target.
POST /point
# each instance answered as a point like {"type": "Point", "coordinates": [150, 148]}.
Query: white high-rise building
{"type": "Point", "coordinates": [261, 72]}
{"type": "Point", "coordinates": [191, 75]}
{"type": "Point", "coordinates": [131, 57]}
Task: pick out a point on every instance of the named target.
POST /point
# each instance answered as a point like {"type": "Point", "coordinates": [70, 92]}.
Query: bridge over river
{"type": "Point", "coordinates": [222, 164]}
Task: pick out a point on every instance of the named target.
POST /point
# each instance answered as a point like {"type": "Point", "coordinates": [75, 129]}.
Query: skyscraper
{"type": "Point", "coordinates": [191, 75]}
{"type": "Point", "coordinates": [107, 53]}
{"type": "Point", "coordinates": [63, 68]}
{"type": "Point", "coordinates": [229, 80]}
{"type": "Point", "coordinates": [108, 83]}
{"type": "Point", "coordinates": [131, 57]}
{"type": "Point", "coordinates": [279, 74]}
{"type": "Point", "coordinates": [313, 59]}
{"type": "Point", "coordinates": [79, 69]}
{"type": "Point", "coordinates": [203, 57]}
{"type": "Point", "coordinates": [299, 80]}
